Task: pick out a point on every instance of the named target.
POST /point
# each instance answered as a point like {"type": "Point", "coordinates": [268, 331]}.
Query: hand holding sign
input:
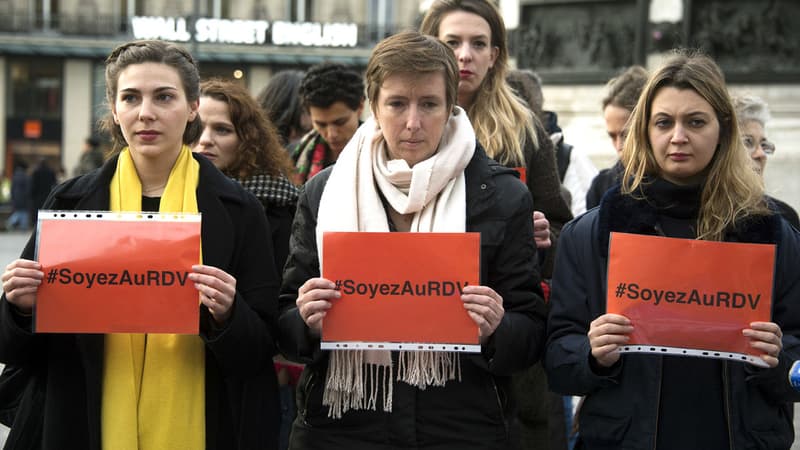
{"type": "Point", "coordinates": [105, 272]}
{"type": "Point", "coordinates": [606, 334]}
{"type": "Point", "coordinates": [705, 311]}
{"type": "Point", "coordinates": [485, 307]}
{"type": "Point", "coordinates": [400, 291]}
{"type": "Point", "coordinates": [312, 302]}
{"type": "Point", "coordinates": [766, 336]}
{"type": "Point", "coordinates": [21, 282]}
{"type": "Point", "coordinates": [217, 290]}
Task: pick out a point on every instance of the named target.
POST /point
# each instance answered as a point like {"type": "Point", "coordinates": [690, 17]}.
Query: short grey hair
{"type": "Point", "coordinates": [751, 108]}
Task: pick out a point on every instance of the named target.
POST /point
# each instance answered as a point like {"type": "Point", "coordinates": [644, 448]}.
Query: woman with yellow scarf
{"type": "Point", "coordinates": [215, 390]}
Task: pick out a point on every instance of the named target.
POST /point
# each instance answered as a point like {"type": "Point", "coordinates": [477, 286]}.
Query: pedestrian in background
{"type": "Point", "coordinates": [622, 94]}
{"type": "Point", "coordinates": [91, 156]}
{"type": "Point", "coordinates": [43, 178]}
{"type": "Point", "coordinates": [333, 95]}
{"type": "Point", "coordinates": [687, 176]}
{"type": "Point", "coordinates": [753, 114]}
{"type": "Point", "coordinates": [20, 197]}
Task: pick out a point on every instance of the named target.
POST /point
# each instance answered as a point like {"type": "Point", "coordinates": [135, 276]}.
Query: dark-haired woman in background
{"type": "Point", "coordinates": [280, 99]}
{"type": "Point", "coordinates": [239, 139]}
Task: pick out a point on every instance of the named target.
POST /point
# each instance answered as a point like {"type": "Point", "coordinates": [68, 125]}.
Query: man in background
{"type": "Point", "coordinates": [333, 94]}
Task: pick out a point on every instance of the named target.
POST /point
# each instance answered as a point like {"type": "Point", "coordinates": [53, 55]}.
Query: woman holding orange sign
{"type": "Point", "coordinates": [215, 390]}
{"type": "Point", "coordinates": [686, 176]}
{"type": "Point", "coordinates": [413, 167]}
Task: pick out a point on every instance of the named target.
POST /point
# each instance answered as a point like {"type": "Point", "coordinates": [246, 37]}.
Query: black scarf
{"type": "Point", "coordinates": [640, 213]}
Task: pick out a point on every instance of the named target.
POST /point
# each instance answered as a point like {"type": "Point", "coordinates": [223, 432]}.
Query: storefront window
{"type": "Point", "coordinates": [90, 17]}
{"type": "Point", "coordinates": [33, 121]}
{"type": "Point", "coordinates": [338, 11]}
{"type": "Point", "coordinates": [257, 9]}
{"type": "Point", "coordinates": [174, 8]}
{"type": "Point", "coordinates": [35, 88]}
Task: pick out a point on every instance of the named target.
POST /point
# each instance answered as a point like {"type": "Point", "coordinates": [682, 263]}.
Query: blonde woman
{"type": "Point", "coordinates": [503, 124]}
{"type": "Point", "coordinates": [687, 176]}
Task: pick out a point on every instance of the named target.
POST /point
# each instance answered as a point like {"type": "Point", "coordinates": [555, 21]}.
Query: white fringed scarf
{"type": "Point", "coordinates": [434, 191]}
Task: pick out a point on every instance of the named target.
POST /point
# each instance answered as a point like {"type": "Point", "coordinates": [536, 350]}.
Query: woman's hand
{"type": "Point", "coordinates": [217, 290]}
{"type": "Point", "coordinates": [485, 307]}
{"type": "Point", "coordinates": [313, 302]}
{"type": "Point", "coordinates": [766, 336]}
{"type": "Point", "coordinates": [21, 282]}
{"type": "Point", "coordinates": [606, 334]}
{"type": "Point", "coordinates": [541, 230]}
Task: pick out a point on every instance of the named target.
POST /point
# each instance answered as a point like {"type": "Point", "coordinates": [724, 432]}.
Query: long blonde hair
{"type": "Point", "coordinates": [732, 190]}
{"type": "Point", "coordinates": [496, 112]}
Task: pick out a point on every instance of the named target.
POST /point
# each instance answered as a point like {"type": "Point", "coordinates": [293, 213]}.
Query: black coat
{"type": "Point", "coordinates": [544, 185]}
{"type": "Point", "coordinates": [605, 180]}
{"type": "Point", "coordinates": [621, 409]}
{"type": "Point", "coordinates": [469, 414]}
{"type": "Point", "coordinates": [241, 389]}
{"type": "Point", "coordinates": [786, 211]}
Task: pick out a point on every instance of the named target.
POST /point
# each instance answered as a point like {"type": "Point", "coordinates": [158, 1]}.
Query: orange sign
{"type": "Point", "coordinates": [690, 297]}
{"type": "Point", "coordinates": [401, 291]}
{"type": "Point", "coordinates": [32, 129]}
{"type": "Point", "coordinates": [117, 273]}
{"type": "Point", "coordinates": [523, 174]}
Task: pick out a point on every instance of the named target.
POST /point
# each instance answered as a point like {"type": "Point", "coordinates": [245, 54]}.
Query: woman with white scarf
{"type": "Point", "coordinates": [414, 167]}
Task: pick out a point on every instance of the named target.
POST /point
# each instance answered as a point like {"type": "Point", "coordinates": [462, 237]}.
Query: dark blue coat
{"type": "Point", "coordinates": [620, 410]}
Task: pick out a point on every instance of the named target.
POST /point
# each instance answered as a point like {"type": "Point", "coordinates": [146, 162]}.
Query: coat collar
{"type": "Point", "coordinates": [626, 214]}
{"type": "Point", "coordinates": [91, 190]}
{"type": "Point", "coordinates": [481, 187]}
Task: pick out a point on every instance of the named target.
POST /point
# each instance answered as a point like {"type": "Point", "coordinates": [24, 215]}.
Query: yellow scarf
{"type": "Point", "coordinates": [154, 384]}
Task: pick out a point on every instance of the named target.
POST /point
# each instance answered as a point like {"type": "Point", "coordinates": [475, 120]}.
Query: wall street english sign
{"type": "Point", "coordinates": [227, 31]}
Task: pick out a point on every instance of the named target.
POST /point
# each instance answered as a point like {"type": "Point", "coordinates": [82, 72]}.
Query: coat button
{"type": "Point", "coordinates": [483, 186]}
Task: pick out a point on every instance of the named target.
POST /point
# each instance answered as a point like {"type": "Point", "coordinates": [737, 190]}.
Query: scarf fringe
{"type": "Point", "coordinates": [423, 369]}
{"type": "Point", "coordinates": [353, 384]}
{"type": "Point", "coordinates": [433, 190]}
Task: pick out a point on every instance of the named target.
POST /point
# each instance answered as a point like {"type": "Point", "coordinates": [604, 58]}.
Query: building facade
{"type": "Point", "coordinates": [576, 45]}
{"type": "Point", "coordinates": [52, 52]}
